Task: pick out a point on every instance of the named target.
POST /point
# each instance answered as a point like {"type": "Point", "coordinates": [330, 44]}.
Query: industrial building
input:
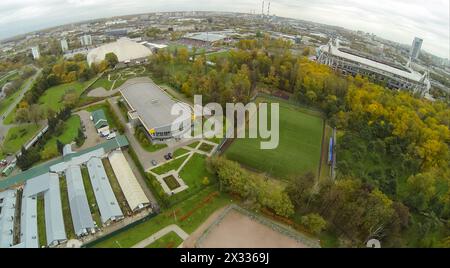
{"type": "Point", "coordinates": [106, 200]}
{"type": "Point", "coordinates": [131, 189]}
{"type": "Point", "coordinates": [393, 75]}
{"type": "Point", "coordinates": [202, 39]}
{"type": "Point", "coordinates": [79, 206]}
{"type": "Point", "coordinates": [125, 50]}
{"type": "Point", "coordinates": [151, 107]}
{"type": "Point", "coordinates": [8, 200]}
{"type": "Point", "coordinates": [46, 186]}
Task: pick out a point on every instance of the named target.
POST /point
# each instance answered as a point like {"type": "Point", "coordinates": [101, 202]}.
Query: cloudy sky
{"type": "Point", "coordinates": [398, 20]}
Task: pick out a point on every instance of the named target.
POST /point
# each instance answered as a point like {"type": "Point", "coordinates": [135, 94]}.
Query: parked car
{"type": "Point", "coordinates": [170, 155]}
{"type": "Point", "coordinates": [166, 157]}
{"type": "Point", "coordinates": [154, 163]}
{"type": "Point", "coordinates": [111, 136]}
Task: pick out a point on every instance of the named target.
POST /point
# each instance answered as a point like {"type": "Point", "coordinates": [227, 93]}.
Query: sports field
{"type": "Point", "coordinates": [299, 147]}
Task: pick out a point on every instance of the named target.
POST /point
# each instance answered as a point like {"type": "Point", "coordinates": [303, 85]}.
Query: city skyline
{"type": "Point", "coordinates": [398, 20]}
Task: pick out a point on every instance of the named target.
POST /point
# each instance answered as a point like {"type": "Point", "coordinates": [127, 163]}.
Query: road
{"type": "Point", "coordinates": [4, 128]}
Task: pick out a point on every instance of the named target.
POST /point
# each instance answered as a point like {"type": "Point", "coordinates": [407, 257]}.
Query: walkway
{"type": "Point", "coordinates": [171, 228]}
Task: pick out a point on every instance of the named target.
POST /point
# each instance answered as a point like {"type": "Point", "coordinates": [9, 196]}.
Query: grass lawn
{"type": "Point", "coordinates": [6, 102]}
{"type": "Point", "coordinates": [95, 212]}
{"type": "Point", "coordinates": [68, 224]}
{"type": "Point", "coordinates": [172, 165]}
{"type": "Point", "coordinates": [171, 182]}
{"type": "Point", "coordinates": [189, 215]}
{"type": "Point", "coordinates": [69, 134]}
{"type": "Point", "coordinates": [53, 97]}
{"type": "Point", "coordinates": [102, 82]}
{"type": "Point", "coordinates": [194, 144]}
{"type": "Point", "coordinates": [18, 136]}
{"type": "Point", "coordinates": [299, 147]}
{"type": "Point", "coordinates": [206, 147]}
{"type": "Point", "coordinates": [180, 151]}
{"type": "Point", "coordinates": [40, 212]}
{"type": "Point", "coordinates": [194, 172]}
{"type": "Point", "coordinates": [116, 188]}
{"type": "Point", "coordinates": [170, 240]}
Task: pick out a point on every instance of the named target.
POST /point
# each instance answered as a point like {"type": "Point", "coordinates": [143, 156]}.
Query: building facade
{"type": "Point", "coordinates": [415, 48]}
{"type": "Point", "coordinates": [86, 40]}
{"type": "Point", "coordinates": [393, 76]}
{"type": "Point", "coordinates": [35, 52]}
{"type": "Point", "coordinates": [64, 45]}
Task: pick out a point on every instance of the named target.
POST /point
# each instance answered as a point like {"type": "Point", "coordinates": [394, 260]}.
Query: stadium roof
{"type": "Point", "coordinates": [334, 50]}
{"type": "Point", "coordinates": [7, 213]}
{"type": "Point", "coordinates": [152, 104]}
{"type": "Point", "coordinates": [79, 207]}
{"type": "Point", "coordinates": [107, 202]}
{"type": "Point", "coordinates": [128, 183]}
{"type": "Point", "coordinates": [48, 185]}
{"type": "Point", "coordinates": [124, 48]}
{"type": "Point", "coordinates": [205, 36]}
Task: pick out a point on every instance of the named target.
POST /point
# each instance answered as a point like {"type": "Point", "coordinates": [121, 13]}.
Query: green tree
{"type": "Point", "coordinates": [314, 223]}
{"type": "Point", "coordinates": [111, 59]}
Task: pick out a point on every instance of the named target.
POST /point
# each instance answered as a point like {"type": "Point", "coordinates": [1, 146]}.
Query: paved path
{"type": "Point", "coordinates": [92, 136]}
{"type": "Point", "coordinates": [171, 228]}
{"type": "Point", "coordinates": [5, 128]}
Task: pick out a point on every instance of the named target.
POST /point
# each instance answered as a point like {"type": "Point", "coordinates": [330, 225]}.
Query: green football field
{"type": "Point", "coordinates": [299, 147]}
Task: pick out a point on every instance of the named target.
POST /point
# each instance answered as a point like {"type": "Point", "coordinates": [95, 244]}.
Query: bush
{"type": "Point", "coordinates": [314, 223]}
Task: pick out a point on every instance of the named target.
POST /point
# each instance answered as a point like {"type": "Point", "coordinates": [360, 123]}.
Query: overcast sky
{"type": "Point", "coordinates": [398, 20]}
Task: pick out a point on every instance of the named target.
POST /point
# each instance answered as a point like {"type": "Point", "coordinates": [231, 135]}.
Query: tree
{"type": "Point", "coordinates": [300, 190]}
{"type": "Point", "coordinates": [314, 223]}
{"type": "Point", "coordinates": [36, 114]}
{"type": "Point", "coordinates": [22, 115]}
{"type": "Point", "coordinates": [60, 146]}
{"type": "Point", "coordinates": [111, 59]}
{"type": "Point", "coordinates": [79, 140]}
{"type": "Point", "coordinates": [70, 99]}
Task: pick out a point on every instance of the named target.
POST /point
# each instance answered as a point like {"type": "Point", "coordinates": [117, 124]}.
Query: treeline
{"type": "Point", "coordinates": [393, 148]}
{"type": "Point", "coordinates": [37, 153]}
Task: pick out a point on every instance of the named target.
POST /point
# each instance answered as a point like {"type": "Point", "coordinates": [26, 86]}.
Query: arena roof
{"type": "Point", "coordinates": [205, 37]}
{"type": "Point", "coordinates": [152, 104]}
{"type": "Point", "coordinates": [334, 50]}
{"type": "Point", "coordinates": [124, 48]}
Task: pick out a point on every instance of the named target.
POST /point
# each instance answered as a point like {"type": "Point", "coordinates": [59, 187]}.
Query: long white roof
{"type": "Point", "coordinates": [334, 50]}
{"type": "Point", "coordinates": [124, 48]}
{"type": "Point", "coordinates": [128, 183]}
{"type": "Point", "coordinates": [7, 213]}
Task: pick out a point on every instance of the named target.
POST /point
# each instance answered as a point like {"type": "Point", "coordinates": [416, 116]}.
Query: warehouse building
{"type": "Point", "coordinates": [7, 213]}
{"type": "Point", "coordinates": [150, 107]}
{"type": "Point", "coordinates": [79, 206]}
{"type": "Point", "coordinates": [203, 39]}
{"type": "Point", "coordinates": [131, 189]}
{"type": "Point", "coordinates": [106, 200]}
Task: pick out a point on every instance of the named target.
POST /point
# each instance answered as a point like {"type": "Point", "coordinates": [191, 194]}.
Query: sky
{"type": "Point", "coordinates": [397, 20]}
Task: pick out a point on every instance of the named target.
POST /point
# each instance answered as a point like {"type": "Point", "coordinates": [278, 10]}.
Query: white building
{"type": "Point", "coordinates": [35, 52]}
{"type": "Point", "coordinates": [86, 40]}
{"type": "Point", "coordinates": [64, 45]}
{"type": "Point", "coordinates": [415, 48]}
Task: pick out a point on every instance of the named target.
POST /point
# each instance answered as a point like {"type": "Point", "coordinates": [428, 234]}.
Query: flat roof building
{"type": "Point", "coordinates": [47, 185]}
{"type": "Point", "coordinates": [151, 107]}
{"type": "Point", "coordinates": [131, 189]}
{"type": "Point", "coordinates": [106, 200]}
{"type": "Point", "coordinates": [7, 215]}
{"type": "Point", "coordinates": [79, 206]}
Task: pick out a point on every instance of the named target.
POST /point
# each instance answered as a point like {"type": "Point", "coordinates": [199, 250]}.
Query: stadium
{"type": "Point", "coordinates": [394, 75]}
{"type": "Point", "coordinates": [149, 106]}
{"type": "Point", "coordinates": [126, 50]}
